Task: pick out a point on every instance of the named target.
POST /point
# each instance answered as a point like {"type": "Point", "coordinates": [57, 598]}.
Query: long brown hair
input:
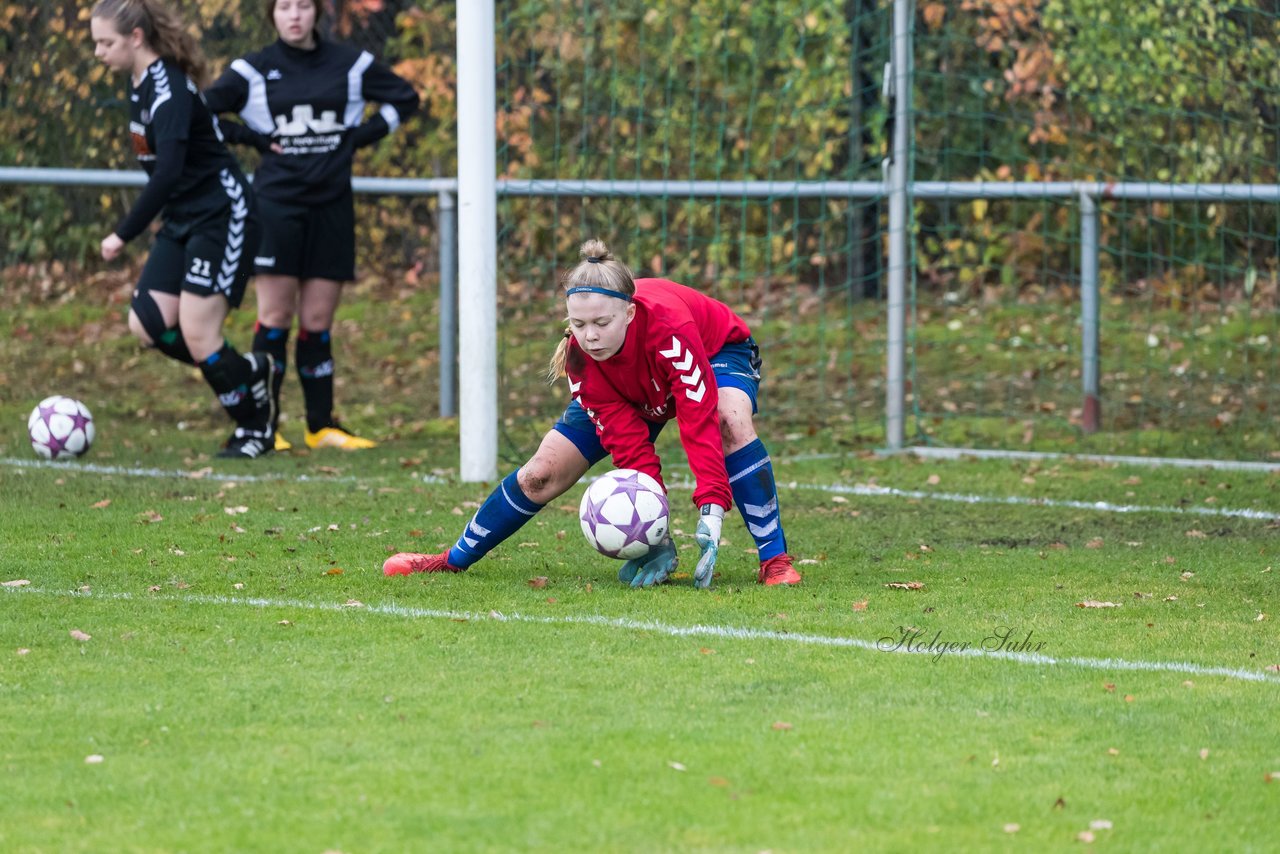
{"type": "Point", "coordinates": [163, 30]}
{"type": "Point", "coordinates": [597, 269]}
{"type": "Point", "coordinates": [320, 10]}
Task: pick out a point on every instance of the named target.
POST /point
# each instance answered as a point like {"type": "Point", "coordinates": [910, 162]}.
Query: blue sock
{"type": "Point", "coordinates": [751, 479]}
{"type": "Point", "coordinates": [503, 513]}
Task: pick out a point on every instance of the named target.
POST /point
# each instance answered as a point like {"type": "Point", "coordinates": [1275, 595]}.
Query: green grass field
{"type": "Point", "coordinates": [206, 657]}
{"type": "Point", "coordinates": [252, 682]}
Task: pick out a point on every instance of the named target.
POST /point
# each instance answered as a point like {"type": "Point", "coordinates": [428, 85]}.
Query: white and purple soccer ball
{"type": "Point", "coordinates": [60, 428]}
{"type": "Point", "coordinates": [624, 513]}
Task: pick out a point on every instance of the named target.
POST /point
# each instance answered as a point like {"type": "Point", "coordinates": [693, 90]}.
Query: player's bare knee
{"type": "Point", "coordinates": [534, 479]}
{"type": "Point", "coordinates": [138, 330]}
{"type": "Point", "coordinates": [736, 431]}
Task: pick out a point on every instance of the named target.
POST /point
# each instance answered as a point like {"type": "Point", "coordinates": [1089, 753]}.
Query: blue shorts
{"type": "Point", "coordinates": [735, 366]}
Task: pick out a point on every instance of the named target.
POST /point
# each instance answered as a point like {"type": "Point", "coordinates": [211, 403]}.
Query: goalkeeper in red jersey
{"type": "Point", "coordinates": [638, 353]}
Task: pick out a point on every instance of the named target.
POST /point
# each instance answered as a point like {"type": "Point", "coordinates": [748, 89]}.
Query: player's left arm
{"type": "Point", "coordinates": [398, 100]}
{"type": "Point", "coordinates": [693, 386]}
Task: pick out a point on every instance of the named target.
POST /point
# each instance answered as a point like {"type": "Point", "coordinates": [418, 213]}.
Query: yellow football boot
{"type": "Point", "coordinates": [337, 436]}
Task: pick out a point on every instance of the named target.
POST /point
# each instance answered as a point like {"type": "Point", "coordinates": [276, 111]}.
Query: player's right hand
{"type": "Point", "coordinates": [651, 569]}
{"type": "Point", "coordinates": [111, 246]}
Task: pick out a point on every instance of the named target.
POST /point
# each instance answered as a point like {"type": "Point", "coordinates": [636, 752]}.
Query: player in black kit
{"type": "Point", "coordinates": [302, 100]}
{"type": "Point", "coordinates": [200, 261]}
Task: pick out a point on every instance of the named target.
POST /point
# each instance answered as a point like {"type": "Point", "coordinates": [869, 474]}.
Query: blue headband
{"type": "Point", "coordinates": [591, 289]}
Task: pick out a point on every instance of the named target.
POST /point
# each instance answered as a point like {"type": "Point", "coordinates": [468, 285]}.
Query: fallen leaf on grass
{"type": "Point", "coordinates": [1187, 576]}
{"type": "Point", "coordinates": [285, 623]}
{"type": "Point", "coordinates": [906, 585]}
{"type": "Point", "coordinates": [933, 480]}
{"type": "Point", "coordinates": [1094, 603]}
{"type": "Point", "coordinates": [1111, 751]}
{"type": "Point", "coordinates": [1085, 836]}
{"type": "Point", "coordinates": [1099, 824]}
{"type": "Point", "coordinates": [781, 725]}
{"type": "Point", "coordinates": [1204, 753]}
{"type": "Point", "coordinates": [717, 781]}
{"type": "Point", "coordinates": [150, 517]}
{"type": "Point", "coordinates": [22, 650]}
{"type": "Point", "coordinates": [540, 581]}
{"type": "Point", "coordinates": [860, 606]}
{"type": "Point", "coordinates": [1171, 598]}
{"type": "Point", "coordinates": [1095, 543]}
{"type": "Point", "coordinates": [235, 511]}
{"type": "Point", "coordinates": [1012, 828]}
{"type": "Point", "coordinates": [676, 766]}
{"type": "Point", "coordinates": [1274, 668]}
{"type": "Point", "coordinates": [1196, 535]}
{"type": "Point", "coordinates": [337, 570]}
{"type": "Point", "coordinates": [76, 634]}
{"type": "Point", "coordinates": [106, 502]}
{"type": "Point", "coordinates": [706, 650]}
{"type": "Point", "coordinates": [17, 582]}
{"type": "Point", "coordinates": [1261, 616]}
{"type": "Point", "coordinates": [93, 759]}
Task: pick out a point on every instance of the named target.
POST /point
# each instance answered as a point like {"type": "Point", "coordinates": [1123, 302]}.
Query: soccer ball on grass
{"type": "Point", "coordinates": [624, 513]}
{"type": "Point", "coordinates": [60, 428]}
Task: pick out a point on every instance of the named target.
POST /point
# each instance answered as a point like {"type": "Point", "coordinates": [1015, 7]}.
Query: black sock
{"type": "Point", "coordinates": [229, 375]}
{"type": "Point", "coordinates": [173, 345]}
{"type": "Point", "coordinates": [315, 369]}
{"type": "Point", "coordinates": [273, 340]}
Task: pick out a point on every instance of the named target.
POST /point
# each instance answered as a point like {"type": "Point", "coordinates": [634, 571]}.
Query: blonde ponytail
{"type": "Point", "coordinates": [555, 370]}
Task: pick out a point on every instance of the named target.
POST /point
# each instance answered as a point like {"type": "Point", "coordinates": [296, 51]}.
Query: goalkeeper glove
{"type": "Point", "coordinates": [651, 569]}
{"type": "Point", "coordinates": [710, 518]}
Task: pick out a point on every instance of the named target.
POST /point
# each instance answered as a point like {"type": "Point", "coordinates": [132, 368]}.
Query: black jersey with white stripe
{"type": "Point", "coordinates": [177, 140]}
{"type": "Point", "coordinates": [312, 104]}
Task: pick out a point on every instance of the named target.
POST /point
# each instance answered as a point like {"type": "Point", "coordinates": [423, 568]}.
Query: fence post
{"type": "Point", "coordinates": [899, 236]}
{"type": "Point", "coordinates": [478, 234]}
{"type": "Point", "coordinates": [1092, 413]}
{"type": "Point", "coordinates": [448, 234]}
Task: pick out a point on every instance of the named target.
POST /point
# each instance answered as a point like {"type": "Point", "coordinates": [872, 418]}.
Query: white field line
{"type": "Point", "coordinates": [713, 631]}
{"type": "Point", "coordinates": [179, 474]}
{"type": "Point", "coordinates": [844, 489]}
{"type": "Point", "coordinates": [940, 453]}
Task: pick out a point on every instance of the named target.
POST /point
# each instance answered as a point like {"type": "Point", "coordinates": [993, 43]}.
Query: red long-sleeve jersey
{"type": "Point", "coordinates": [662, 372]}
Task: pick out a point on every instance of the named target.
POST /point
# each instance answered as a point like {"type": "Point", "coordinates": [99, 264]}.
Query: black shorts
{"type": "Point", "coordinates": [308, 241]}
{"type": "Point", "coordinates": [213, 256]}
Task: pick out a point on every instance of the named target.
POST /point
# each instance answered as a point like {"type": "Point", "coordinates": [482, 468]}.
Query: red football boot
{"type": "Point", "coordinates": [778, 570]}
{"type": "Point", "coordinates": [407, 563]}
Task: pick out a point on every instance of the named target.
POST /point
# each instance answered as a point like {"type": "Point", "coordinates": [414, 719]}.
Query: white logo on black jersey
{"type": "Point", "coordinates": [304, 121]}
{"type": "Point", "coordinates": [274, 74]}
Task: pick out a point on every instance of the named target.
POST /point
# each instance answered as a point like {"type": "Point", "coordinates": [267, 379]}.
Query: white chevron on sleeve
{"type": "Point", "coordinates": [695, 394]}
{"type": "Point", "coordinates": [573, 387]}
{"type": "Point", "coordinates": [675, 349]}
{"type": "Point", "coordinates": [694, 378]}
